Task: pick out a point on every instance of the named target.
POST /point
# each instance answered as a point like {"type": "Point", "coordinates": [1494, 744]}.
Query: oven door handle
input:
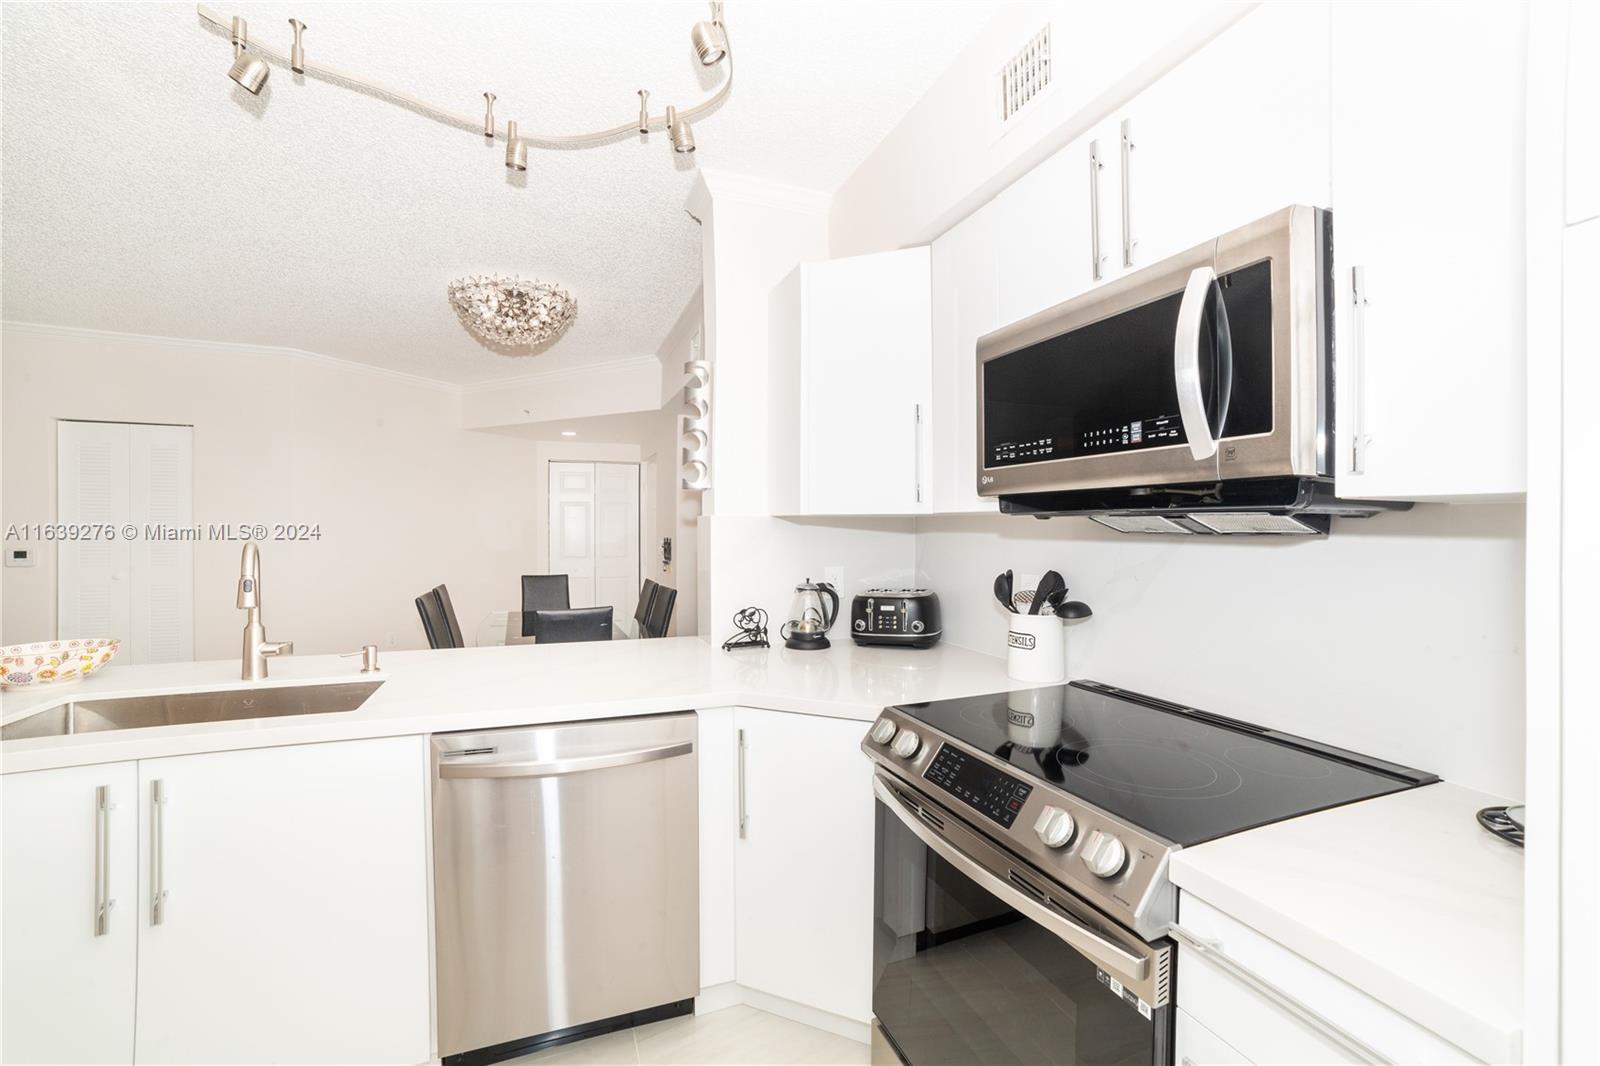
{"type": "Point", "coordinates": [1085, 941]}
{"type": "Point", "coordinates": [1186, 363]}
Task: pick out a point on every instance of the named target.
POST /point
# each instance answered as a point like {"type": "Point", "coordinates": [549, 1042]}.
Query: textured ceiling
{"type": "Point", "coordinates": [144, 192]}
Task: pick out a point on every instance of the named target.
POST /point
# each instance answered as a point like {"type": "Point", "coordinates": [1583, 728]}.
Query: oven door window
{"type": "Point", "coordinates": [960, 978]}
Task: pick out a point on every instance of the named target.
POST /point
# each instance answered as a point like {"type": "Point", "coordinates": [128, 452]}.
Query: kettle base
{"type": "Point", "coordinates": [806, 641]}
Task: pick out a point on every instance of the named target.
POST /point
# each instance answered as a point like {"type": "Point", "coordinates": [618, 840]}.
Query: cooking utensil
{"type": "Point", "coordinates": [1074, 609]}
{"type": "Point", "coordinates": [1002, 591]}
{"type": "Point", "coordinates": [1023, 602]}
{"type": "Point", "coordinates": [1049, 583]}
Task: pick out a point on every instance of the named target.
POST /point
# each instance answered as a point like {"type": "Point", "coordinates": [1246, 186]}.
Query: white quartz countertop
{"type": "Point", "coordinates": [488, 688]}
{"type": "Point", "coordinates": [1404, 896]}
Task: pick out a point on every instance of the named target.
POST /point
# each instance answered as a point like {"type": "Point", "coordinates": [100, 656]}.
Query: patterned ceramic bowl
{"type": "Point", "coordinates": [53, 660]}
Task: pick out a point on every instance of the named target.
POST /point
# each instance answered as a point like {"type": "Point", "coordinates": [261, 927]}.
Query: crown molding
{"type": "Point", "coordinates": [726, 185]}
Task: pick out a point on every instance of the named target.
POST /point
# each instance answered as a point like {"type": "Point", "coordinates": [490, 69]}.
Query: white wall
{"type": "Point", "coordinates": [1399, 636]}
{"type": "Point", "coordinates": [950, 154]}
{"type": "Point", "coordinates": [405, 498]}
{"type": "Point", "coordinates": [757, 561]}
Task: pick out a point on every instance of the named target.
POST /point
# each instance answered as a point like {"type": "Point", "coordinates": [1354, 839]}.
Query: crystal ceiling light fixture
{"type": "Point", "coordinates": [708, 38]}
{"type": "Point", "coordinates": [510, 311]}
{"type": "Point", "coordinates": [249, 71]}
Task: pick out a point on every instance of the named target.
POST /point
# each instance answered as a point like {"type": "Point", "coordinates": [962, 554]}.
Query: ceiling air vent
{"type": "Point", "coordinates": [1025, 76]}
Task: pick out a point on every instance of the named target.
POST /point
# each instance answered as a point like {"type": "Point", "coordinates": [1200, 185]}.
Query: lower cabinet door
{"type": "Point", "coordinates": [1199, 1046]}
{"type": "Point", "coordinates": [804, 864]}
{"type": "Point", "coordinates": [284, 910]}
{"type": "Point", "coordinates": [69, 914]}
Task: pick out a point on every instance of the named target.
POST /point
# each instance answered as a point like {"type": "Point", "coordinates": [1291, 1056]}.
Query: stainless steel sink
{"type": "Point", "coordinates": [186, 708]}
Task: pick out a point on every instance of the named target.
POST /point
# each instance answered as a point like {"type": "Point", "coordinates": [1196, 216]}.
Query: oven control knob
{"type": "Point", "coordinates": [1055, 827]}
{"type": "Point", "coordinates": [906, 744]}
{"type": "Point", "coordinates": [1104, 854]}
{"type": "Point", "coordinates": [883, 731]}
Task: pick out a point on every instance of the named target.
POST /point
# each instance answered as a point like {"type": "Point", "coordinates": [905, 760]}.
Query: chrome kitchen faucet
{"type": "Point", "coordinates": [257, 648]}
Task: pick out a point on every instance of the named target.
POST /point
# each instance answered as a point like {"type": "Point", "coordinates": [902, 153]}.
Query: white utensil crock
{"type": "Point", "coordinates": [1036, 648]}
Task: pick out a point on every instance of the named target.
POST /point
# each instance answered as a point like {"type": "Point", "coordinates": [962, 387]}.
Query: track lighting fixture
{"type": "Point", "coordinates": [248, 70]}
{"type": "Point", "coordinates": [711, 46]}
{"type": "Point", "coordinates": [682, 135]}
{"type": "Point", "coordinates": [297, 52]}
{"type": "Point", "coordinates": [516, 151]}
{"type": "Point", "coordinates": [709, 39]}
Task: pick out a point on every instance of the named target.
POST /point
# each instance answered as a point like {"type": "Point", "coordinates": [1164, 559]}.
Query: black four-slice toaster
{"type": "Point", "coordinates": [906, 618]}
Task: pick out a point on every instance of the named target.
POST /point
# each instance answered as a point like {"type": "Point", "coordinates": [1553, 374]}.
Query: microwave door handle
{"type": "Point", "coordinates": [1224, 337]}
{"type": "Point", "coordinates": [1186, 363]}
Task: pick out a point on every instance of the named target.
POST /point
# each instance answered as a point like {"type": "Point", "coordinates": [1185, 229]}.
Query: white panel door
{"type": "Point", "coordinates": [805, 859]}
{"type": "Point", "coordinates": [1427, 129]}
{"type": "Point", "coordinates": [572, 529]}
{"type": "Point", "coordinates": [965, 307]}
{"type": "Point", "coordinates": [139, 590]}
{"type": "Point", "coordinates": [68, 991]}
{"type": "Point", "coordinates": [94, 577]}
{"type": "Point", "coordinates": [161, 495]}
{"type": "Point", "coordinates": [1041, 234]}
{"type": "Point", "coordinates": [294, 924]}
{"type": "Point", "coordinates": [616, 539]}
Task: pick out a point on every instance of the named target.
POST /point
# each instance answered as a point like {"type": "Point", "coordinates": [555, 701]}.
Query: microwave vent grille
{"type": "Point", "coordinates": [1246, 522]}
{"type": "Point", "coordinates": [1025, 75]}
{"type": "Point", "coordinates": [1132, 523]}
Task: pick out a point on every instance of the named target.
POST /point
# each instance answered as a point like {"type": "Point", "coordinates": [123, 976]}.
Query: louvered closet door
{"type": "Point", "coordinates": [138, 590]}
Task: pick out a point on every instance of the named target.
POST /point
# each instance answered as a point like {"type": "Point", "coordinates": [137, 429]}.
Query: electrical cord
{"type": "Point", "coordinates": [751, 622]}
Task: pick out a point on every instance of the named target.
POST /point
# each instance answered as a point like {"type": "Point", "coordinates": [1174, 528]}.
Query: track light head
{"type": "Point", "coordinates": [297, 52]}
{"type": "Point", "coordinates": [710, 42]}
{"type": "Point", "coordinates": [516, 151]}
{"type": "Point", "coordinates": [249, 71]}
{"type": "Point", "coordinates": [488, 115]}
{"type": "Point", "coordinates": [682, 135]}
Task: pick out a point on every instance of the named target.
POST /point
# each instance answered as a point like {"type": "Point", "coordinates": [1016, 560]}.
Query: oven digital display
{"type": "Point", "coordinates": [979, 785]}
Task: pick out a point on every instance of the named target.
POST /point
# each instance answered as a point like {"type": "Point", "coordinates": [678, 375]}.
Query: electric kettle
{"type": "Point", "coordinates": [815, 606]}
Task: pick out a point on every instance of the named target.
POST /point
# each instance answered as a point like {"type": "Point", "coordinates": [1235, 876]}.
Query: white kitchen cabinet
{"type": "Point", "coordinates": [293, 911]}
{"type": "Point", "coordinates": [805, 859]}
{"type": "Point", "coordinates": [1261, 1002]}
{"type": "Point", "coordinates": [965, 307]}
{"type": "Point", "coordinates": [1195, 1045]}
{"type": "Point", "coordinates": [68, 914]}
{"type": "Point", "coordinates": [1427, 163]}
{"type": "Point", "coordinates": [1041, 235]}
{"type": "Point", "coordinates": [850, 381]}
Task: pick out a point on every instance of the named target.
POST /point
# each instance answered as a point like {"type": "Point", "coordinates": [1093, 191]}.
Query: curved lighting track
{"type": "Point", "coordinates": [475, 123]}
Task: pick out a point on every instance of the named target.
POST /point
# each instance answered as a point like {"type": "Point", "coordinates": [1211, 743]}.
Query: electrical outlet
{"type": "Point", "coordinates": [834, 575]}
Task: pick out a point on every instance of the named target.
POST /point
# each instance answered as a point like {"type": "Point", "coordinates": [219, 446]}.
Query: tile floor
{"type": "Point", "coordinates": [733, 1036]}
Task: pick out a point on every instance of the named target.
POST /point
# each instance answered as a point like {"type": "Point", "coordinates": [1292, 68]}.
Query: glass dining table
{"type": "Point", "coordinates": [505, 627]}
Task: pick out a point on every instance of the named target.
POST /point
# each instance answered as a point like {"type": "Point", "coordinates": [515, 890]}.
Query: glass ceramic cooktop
{"type": "Point", "coordinates": [1181, 774]}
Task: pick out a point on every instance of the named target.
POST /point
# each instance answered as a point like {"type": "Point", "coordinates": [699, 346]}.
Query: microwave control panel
{"type": "Point", "coordinates": [1127, 436]}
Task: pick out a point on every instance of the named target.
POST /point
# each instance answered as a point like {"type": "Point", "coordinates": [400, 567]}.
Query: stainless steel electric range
{"type": "Point", "coordinates": [1023, 840]}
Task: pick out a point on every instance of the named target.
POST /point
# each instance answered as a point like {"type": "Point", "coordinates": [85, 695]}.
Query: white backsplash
{"type": "Point", "coordinates": [1399, 636]}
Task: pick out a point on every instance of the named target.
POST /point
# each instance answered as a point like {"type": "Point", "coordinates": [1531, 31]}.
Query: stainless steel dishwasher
{"type": "Point", "coordinates": [566, 882]}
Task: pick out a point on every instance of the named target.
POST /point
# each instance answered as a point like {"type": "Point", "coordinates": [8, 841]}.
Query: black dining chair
{"type": "Point", "coordinates": [542, 592]}
{"type": "Point", "coordinates": [647, 595]}
{"type": "Point", "coordinates": [660, 617]}
{"type": "Point", "coordinates": [452, 627]}
{"type": "Point", "coordinates": [566, 627]}
{"type": "Point", "coordinates": [434, 626]}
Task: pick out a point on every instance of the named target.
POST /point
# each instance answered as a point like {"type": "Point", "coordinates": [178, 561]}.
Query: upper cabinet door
{"type": "Point", "coordinates": [293, 917]}
{"type": "Point", "coordinates": [1427, 131]}
{"type": "Point", "coordinates": [1234, 133]}
{"type": "Point", "coordinates": [1041, 234]}
{"type": "Point", "coordinates": [965, 307]}
{"type": "Point", "coordinates": [70, 914]}
{"type": "Point", "coordinates": [852, 342]}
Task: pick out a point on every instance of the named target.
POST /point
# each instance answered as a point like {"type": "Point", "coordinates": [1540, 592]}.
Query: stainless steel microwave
{"type": "Point", "coordinates": [1203, 382]}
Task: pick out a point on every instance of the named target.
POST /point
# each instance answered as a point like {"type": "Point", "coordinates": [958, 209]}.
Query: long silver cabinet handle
{"type": "Point", "coordinates": [1094, 208]}
{"type": "Point", "coordinates": [1356, 1048]}
{"type": "Point", "coordinates": [916, 449]}
{"type": "Point", "coordinates": [102, 860]}
{"type": "Point", "coordinates": [1127, 201]}
{"type": "Point", "coordinates": [744, 811]}
{"type": "Point", "coordinates": [1090, 943]}
{"type": "Point", "coordinates": [1358, 355]}
{"type": "Point", "coordinates": [557, 767]}
{"type": "Point", "coordinates": [158, 852]}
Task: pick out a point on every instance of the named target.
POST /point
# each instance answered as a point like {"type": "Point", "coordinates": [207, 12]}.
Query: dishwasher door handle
{"type": "Point", "coordinates": [557, 767]}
